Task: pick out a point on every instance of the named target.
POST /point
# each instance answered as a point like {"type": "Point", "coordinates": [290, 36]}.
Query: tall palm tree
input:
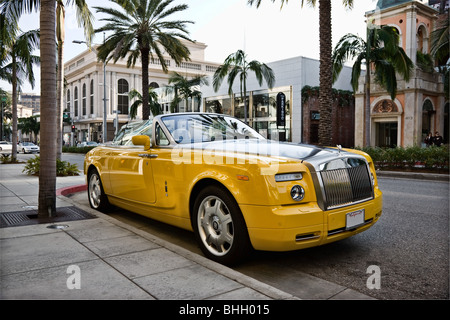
{"type": "Point", "coordinates": [13, 9]}
{"type": "Point", "coordinates": [236, 64]}
{"type": "Point", "coordinates": [381, 51]}
{"type": "Point", "coordinates": [140, 29]}
{"type": "Point", "coordinates": [19, 61]}
{"type": "Point", "coordinates": [184, 89]}
{"type": "Point", "coordinates": [325, 70]}
{"type": "Point", "coordinates": [47, 172]}
{"type": "Point", "coordinates": [155, 107]}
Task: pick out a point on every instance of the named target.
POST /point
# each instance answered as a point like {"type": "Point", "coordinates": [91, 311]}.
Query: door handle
{"type": "Point", "coordinates": [148, 155]}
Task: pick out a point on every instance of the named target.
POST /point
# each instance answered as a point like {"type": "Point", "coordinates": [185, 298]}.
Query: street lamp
{"type": "Point", "coordinates": [104, 91]}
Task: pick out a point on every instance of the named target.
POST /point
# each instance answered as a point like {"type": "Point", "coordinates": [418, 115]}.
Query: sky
{"type": "Point", "coordinates": [266, 34]}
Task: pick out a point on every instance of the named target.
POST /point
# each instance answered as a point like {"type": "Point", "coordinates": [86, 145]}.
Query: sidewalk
{"type": "Point", "coordinates": [101, 256]}
{"type": "Point", "coordinates": [108, 259]}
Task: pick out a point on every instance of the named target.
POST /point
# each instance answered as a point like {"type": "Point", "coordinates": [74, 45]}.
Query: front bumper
{"type": "Point", "coordinates": [286, 228]}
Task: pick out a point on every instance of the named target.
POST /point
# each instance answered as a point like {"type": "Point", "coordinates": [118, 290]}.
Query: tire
{"type": "Point", "coordinates": [98, 200]}
{"type": "Point", "coordinates": [219, 226]}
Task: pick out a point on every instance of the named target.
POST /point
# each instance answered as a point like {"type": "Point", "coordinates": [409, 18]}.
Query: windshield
{"type": "Point", "coordinates": [192, 128]}
{"type": "Point", "coordinates": [127, 131]}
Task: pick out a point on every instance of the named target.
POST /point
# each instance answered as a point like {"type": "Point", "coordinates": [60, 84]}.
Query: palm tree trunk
{"type": "Point", "coordinates": [60, 15]}
{"type": "Point", "coordinates": [59, 100]}
{"type": "Point", "coordinates": [47, 173]}
{"type": "Point", "coordinates": [14, 111]}
{"type": "Point", "coordinates": [145, 94]}
{"type": "Point", "coordinates": [244, 96]}
{"type": "Point", "coordinates": [325, 74]}
{"type": "Point", "coordinates": [367, 108]}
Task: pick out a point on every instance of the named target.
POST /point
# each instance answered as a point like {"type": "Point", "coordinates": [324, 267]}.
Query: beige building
{"type": "Point", "coordinates": [420, 105]}
{"type": "Point", "coordinates": [84, 94]}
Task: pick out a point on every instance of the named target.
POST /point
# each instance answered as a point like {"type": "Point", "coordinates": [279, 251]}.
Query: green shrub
{"type": "Point", "coordinates": [410, 158]}
{"type": "Point", "coordinates": [63, 168]}
{"type": "Point", "coordinates": [77, 149]}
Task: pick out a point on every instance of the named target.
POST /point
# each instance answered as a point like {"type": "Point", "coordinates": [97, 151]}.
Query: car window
{"type": "Point", "coordinates": [161, 138]}
{"type": "Point", "coordinates": [127, 131]}
{"type": "Point", "coordinates": [204, 128]}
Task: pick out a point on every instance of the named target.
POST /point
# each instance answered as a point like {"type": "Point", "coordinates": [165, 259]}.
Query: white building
{"type": "Point", "coordinates": [84, 97]}
{"type": "Point", "coordinates": [84, 93]}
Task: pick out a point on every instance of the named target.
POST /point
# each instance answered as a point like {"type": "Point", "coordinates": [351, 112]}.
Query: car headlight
{"type": "Point", "coordinates": [297, 193]}
{"type": "Point", "coordinates": [288, 176]}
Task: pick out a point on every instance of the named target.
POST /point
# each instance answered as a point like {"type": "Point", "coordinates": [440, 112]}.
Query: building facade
{"type": "Point", "coordinates": [84, 99]}
{"type": "Point", "coordinates": [420, 105]}
{"type": "Point", "coordinates": [291, 75]}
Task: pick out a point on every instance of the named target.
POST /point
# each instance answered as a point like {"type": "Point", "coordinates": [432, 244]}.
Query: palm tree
{"type": "Point", "coordinates": [29, 125]}
{"type": "Point", "coordinates": [140, 29]}
{"type": "Point", "coordinates": [236, 64]}
{"type": "Point", "coordinates": [184, 89]}
{"type": "Point", "coordinates": [13, 9]}
{"type": "Point", "coordinates": [325, 71]}
{"type": "Point", "coordinates": [155, 107]}
{"type": "Point", "coordinates": [19, 61]}
{"type": "Point", "coordinates": [6, 114]}
{"type": "Point", "coordinates": [440, 46]}
{"type": "Point", "coordinates": [381, 52]}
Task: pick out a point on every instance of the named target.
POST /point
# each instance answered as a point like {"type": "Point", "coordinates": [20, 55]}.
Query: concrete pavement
{"type": "Point", "coordinates": [83, 254]}
{"type": "Point", "coordinates": [98, 257]}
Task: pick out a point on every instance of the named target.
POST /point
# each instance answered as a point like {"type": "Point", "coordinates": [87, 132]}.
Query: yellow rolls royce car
{"type": "Point", "coordinates": [237, 191]}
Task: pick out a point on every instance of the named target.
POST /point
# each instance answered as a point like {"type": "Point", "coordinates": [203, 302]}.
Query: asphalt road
{"type": "Point", "coordinates": [409, 245]}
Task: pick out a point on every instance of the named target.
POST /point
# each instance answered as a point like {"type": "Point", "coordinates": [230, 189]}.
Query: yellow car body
{"type": "Point", "coordinates": [164, 181]}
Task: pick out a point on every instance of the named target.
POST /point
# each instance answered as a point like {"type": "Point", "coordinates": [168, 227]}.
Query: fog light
{"type": "Point", "coordinates": [297, 193]}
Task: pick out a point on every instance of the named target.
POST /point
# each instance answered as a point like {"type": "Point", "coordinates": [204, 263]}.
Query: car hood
{"type": "Point", "coordinates": [318, 157]}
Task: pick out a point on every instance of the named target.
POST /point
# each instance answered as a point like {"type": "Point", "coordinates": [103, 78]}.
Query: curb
{"type": "Point", "coordinates": [72, 189]}
{"type": "Point", "coordinates": [414, 175]}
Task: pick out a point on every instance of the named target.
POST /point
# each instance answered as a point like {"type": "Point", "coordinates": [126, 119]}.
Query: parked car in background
{"type": "Point", "coordinates": [216, 176]}
{"type": "Point", "coordinates": [87, 144]}
{"type": "Point", "coordinates": [5, 147]}
{"type": "Point", "coordinates": [28, 147]}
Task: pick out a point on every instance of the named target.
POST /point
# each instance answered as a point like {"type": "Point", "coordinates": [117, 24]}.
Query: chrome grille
{"type": "Point", "coordinates": [346, 186]}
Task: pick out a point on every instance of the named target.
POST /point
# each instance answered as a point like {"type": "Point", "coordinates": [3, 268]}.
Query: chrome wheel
{"type": "Point", "coordinates": [95, 191]}
{"type": "Point", "coordinates": [215, 226]}
{"type": "Point", "coordinates": [219, 226]}
{"type": "Point", "coordinates": [97, 197]}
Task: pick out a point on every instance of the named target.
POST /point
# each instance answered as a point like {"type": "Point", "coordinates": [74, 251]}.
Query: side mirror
{"type": "Point", "coordinates": [142, 141]}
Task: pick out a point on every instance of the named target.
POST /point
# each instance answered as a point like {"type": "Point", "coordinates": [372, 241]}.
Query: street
{"type": "Point", "coordinates": [409, 245]}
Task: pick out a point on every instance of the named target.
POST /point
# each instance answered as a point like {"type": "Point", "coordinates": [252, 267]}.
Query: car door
{"type": "Point", "coordinates": [131, 175]}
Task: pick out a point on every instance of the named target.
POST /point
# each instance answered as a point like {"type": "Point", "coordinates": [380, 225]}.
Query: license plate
{"type": "Point", "coordinates": [354, 219]}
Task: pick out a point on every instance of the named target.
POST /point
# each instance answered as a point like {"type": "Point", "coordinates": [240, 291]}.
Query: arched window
{"type": "Point", "coordinates": [84, 99]}
{"type": "Point", "coordinates": [68, 102]}
{"type": "Point", "coordinates": [154, 85]}
{"type": "Point", "coordinates": [422, 39]}
{"type": "Point", "coordinates": [91, 92]}
{"type": "Point", "coordinates": [75, 101]}
{"type": "Point", "coordinates": [427, 117]}
{"type": "Point", "coordinates": [122, 96]}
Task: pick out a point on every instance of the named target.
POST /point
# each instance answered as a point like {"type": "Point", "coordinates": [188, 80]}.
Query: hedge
{"type": "Point", "coordinates": [410, 158]}
{"type": "Point", "coordinates": [77, 149]}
